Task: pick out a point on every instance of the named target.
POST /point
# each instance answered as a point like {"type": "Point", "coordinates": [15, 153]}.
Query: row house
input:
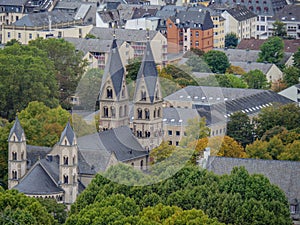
{"type": "Point", "coordinates": [44, 25]}
{"type": "Point", "coordinates": [264, 9]}
{"type": "Point", "coordinates": [290, 16]}
{"type": "Point", "coordinates": [12, 11]}
{"type": "Point", "coordinates": [190, 29]}
{"type": "Point", "coordinates": [241, 21]}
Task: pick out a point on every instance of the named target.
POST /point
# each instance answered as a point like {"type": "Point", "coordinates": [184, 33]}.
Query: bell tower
{"type": "Point", "coordinates": [147, 116]}
{"type": "Point", "coordinates": [68, 162]}
{"type": "Point", "coordinates": [17, 157]}
{"type": "Point", "coordinates": [113, 96]}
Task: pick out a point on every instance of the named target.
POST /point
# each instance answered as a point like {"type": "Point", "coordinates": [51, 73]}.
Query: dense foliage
{"type": "Point", "coordinates": [231, 40]}
{"type": "Point", "coordinates": [217, 61]}
{"type": "Point", "coordinates": [271, 51]}
{"type": "Point", "coordinates": [238, 198]}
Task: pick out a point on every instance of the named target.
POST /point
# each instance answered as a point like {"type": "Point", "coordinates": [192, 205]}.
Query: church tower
{"type": "Point", "coordinates": [68, 161]}
{"type": "Point", "coordinates": [113, 96]}
{"type": "Point", "coordinates": [17, 158]}
{"type": "Point", "coordinates": [147, 116]}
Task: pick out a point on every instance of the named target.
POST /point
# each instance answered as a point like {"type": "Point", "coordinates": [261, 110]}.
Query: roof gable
{"type": "Point", "coordinates": [18, 131]}
{"type": "Point", "coordinates": [67, 136]}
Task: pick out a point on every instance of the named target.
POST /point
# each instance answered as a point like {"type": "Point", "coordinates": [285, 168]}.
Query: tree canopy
{"type": "Point", "coordinates": [291, 76]}
{"type": "Point", "coordinates": [217, 61]}
{"type": "Point", "coordinates": [230, 81]}
{"type": "Point", "coordinates": [279, 29]}
{"type": "Point", "coordinates": [231, 40]}
{"type": "Point", "coordinates": [271, 51]}
{"type": "Point", "coordinates": [256, 79]}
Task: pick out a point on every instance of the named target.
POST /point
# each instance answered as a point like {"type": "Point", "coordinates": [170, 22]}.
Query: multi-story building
{"type": "Point", "coordinates": [290, 16]}
{"type": "Point", "coordinates": [239, 20]}
{"type": "Point", "coordinates": [45, 24]}
{"type": "Point", "coordinates": [190, 29]}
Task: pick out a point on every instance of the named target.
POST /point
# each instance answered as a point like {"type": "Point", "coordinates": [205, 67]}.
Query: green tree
{"type": "Point", "coordinates": [279, 29]}
{"type": "Point", "coordinates": [296, 57]}
{"type": "Point", "coordinates": [198, 64]}
{"type": "Point", "coordinates": [271, 51]}
{"type": "Point", "coordinates": [68, 63]}
{"type": "Point", "coordinates": [217, 61]}
{"type": "Point", "coordinates": [256, 79]}
{"type": "Point", "coordinates": [291, 152]}
{"type": "Point", "coordinates": [230, 81]}
{"type": "Point", "coordinates": [196, 129]}
{"type": "Point", "coordinates": [291, 76]}
{"type": "Point", "coordinates": [57, 210]}
{"type": "Point", "coordinates": [239, 127]}
{"type": "Point", "coordinates": [16, 208]}
{"type": "Point", "coordinates": [231, 40]}
{"type": "Point", "coordinates": [160, 153]}
{"type": "Point", "coordinates": [26, 75]}
{"type": "Point", "coordinates": [132, 69]}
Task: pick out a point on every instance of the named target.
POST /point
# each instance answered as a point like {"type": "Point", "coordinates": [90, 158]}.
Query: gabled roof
{"type": "Point", "coordinates": [288, 13]}
{"type": "Point", "coordinates": [17, 130]}
{"type": "Point", "coordinates": [178, 116]}
{"type": "Point", "coordinates": [240, 55]}
{"type": "Point", "coordinates": [35, 153]}
{"type": "Point", "coordinates": [67, 133]}
{"type": "Point", "coordinates": [143, 12]}
{"type": "Point", "coordinates": [247, 66]}
{"type": "Point", "coordinates": [109, 16]}
{"type": "Point", "coordinates": [114, 70]}
{"type": "Point", "coordinates": [122, 143]}
{"type": "Point", "coordinates": [285, 174]}
{"type": "Point", "coordinates": [123, 34]}
{"type": "Point", "coordinates": [42, 179]}
{"type": "Point", "coordinates": [12, 2]}
{"type": "Point", "coordinates": [148, 72]}
{"type": "Point", "coordinates": [42, 19]}
{"type": "Point", "coordinates": [240, 13]}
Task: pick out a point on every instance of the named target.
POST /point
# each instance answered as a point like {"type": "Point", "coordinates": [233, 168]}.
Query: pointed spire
{"type": "Point", "coordinates": [148, 72]}
{"type": "Point", "coordinates": [114, 69]}
{"type": "Point", "coordinates": [67, 133]}
{"type": "Point", "coordinates": [17, 130]}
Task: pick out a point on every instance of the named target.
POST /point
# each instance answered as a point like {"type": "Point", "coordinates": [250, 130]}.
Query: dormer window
{"type": "Point", "coordinates": [109, 93]}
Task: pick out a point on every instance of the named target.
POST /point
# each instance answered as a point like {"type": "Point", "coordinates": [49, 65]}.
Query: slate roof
{"type": "Point", "coordinates": [240, 13]}
{"type": "Point", "coordinates": [290, 46]}
{"type": "Point", "coordinates": [42, 19]}
{"type": "Point", "coordinates": [130, 35]}
{"type": "Point", "coordinates": [247, 66]}
{"type": "Point", "coordinates": [42, 179]}
{"type": "Point", "coordinates": [285, 174]}
{"type": "Point", "coordinates": [178, 116]}
{"type": "Point", "coordinates": [193, 19]}
{"type": "Point", "coordinates": [114, 70]}
{"type": "Point", "coordinates": [92, 45]}
{"type": "Point", "coordinates": [17, 129]}
{"type": "Point", "coordinates": [148, 72]}
{"type": "Point", "coordinates": [288, 13]}
{"type": "Point", "coordinates": [123, 143]}
{"type": "Point", "coordinates": [35, 153]}
{"type": "Point", "coordinates": [143, 12]}
{"type": "Point", "coordinates": [240, 55]}
{"type": "Point", "coordinates": [68, 133]}
{"type": "Point", "coordinates": [109, 16]}
{"type": "Point", "coordinates": [12, 2]}
{"type": "Point", "coordinates": [92, 151]}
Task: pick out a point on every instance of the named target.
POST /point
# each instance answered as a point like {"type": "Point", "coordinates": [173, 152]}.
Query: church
{"type": "Point", "coordinates": [63, 171]}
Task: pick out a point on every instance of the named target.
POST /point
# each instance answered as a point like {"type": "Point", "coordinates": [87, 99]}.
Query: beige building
{"type": "Point", "coordinates": [47, 24]}
{"type": "Point", "coordinates": [241, 21]}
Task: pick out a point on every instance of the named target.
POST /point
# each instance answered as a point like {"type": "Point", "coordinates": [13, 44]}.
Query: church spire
{"type": "Point", "coordinates": [18, 131]}
{"type": "Point", "coordinates": [67, 136]}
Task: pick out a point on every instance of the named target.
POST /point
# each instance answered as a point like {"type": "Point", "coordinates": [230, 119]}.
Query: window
{"type": "Point", "coordinates": [66, 160]}
{"type": "Point", "coordinates": [170, 142]}
{"type": "Point", "coordinates": [105, 111]}
{"type": "Point", "coordinates": [170, 25]}
{"type": "Point", "coordinates": [262, 18]}
{"type": "Point", "coordinates": [147, 114]}
{"type": "Point", "coordinates": [109, 93]}
{"type": "Point", "coordinates": [123, 91]}
{"type": "Point", "coordinates": [177, 143]}
{"type": "Point", "coordinates": [154, 113]}
{"type": "Point", "coordinates": [262, 28]}
{"type": "Point", "coordinates": [143, 95]}
{"type": "Point", "coordinates": [140, 113]}
{"type": "Point", "coordinates": [59, 35]}
{"type": "Point", "coordinates": [17, 18]}
{"type": "Point", "coordinates": [197, 34]}
{"type": "Point", "coordinates": [14, 175]}
{"type": "Point", "coordinates": [125, 110]}
{"type": "Point", "coordinates": [257, 27]}
{"type": "Point", "coordinates": [197, 43]}
{"type": "Point", "coordinates": [19, 35]}
{"type": "Point", "coordinates": [120, 111]}
{"type": "Point", "coordinates": [8, 34]}
{"type": "Point", "coordinates": [66, 179]}
{"type": "Point", "coordinates": [30, 36]}
{"type": "Point", "coordinates": [158, 112]}
{"type": "Point", "coordinates": [293, 209]}
{"type": "Point", "coordinates": [170, 132]}
{"type": "Point", "coordinates": [142, 164]}
{"type": "Point", "coordinates": [74, 160]}
{"type": "Point", "coordinates": [147, 134]}
{"type": "Point", "coordinates": [14, 156]}
{"type": "Point", "coordinates": [139, 134]}
{"type": "Point", "coordinates": [177, 133]}
{"type": "Point", "coordinates": [22, 155]}
{"type": "Point", "coordinates": [113, 111]}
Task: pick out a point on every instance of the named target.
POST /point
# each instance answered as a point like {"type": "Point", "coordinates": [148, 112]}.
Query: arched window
{"type": "Point", "coordinates": [147, 134]}
{"type": "Point", "coordinates": [132, 163]}
{"type": "Point", "coordinates": [158, 113]}
{"type": "Point", "coordinates": [125, 110]}
{"type": "Point", "coordinates": [105, 111]}
{"type": "Point", "coordinates": [140, 113]}
{"type": "Point", "coordinates": [14, 175]}
{"type": "Point", "coordinates": [66, 179]}
{"type": "Point", "coordinates": [120, 111]}
{"type": "Point", "coordinates": [113, 112]}
{"type": "Point", "coordinates": [156, 94]}
{"type": "Point", "coordinates": [109, 93]}
{"type": "Point", "coordinates": [142, 164]}
{"type": "Point", "coordinates": [154, 113]}
{"type": "Point", "coordinates": [147, 114]}
{"type": "Point", "coordinates": [66, 160]}
{"type": "Point", "coordinates": [143, 95]}
{"type": "Point", "coordinates": [14, 156]}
